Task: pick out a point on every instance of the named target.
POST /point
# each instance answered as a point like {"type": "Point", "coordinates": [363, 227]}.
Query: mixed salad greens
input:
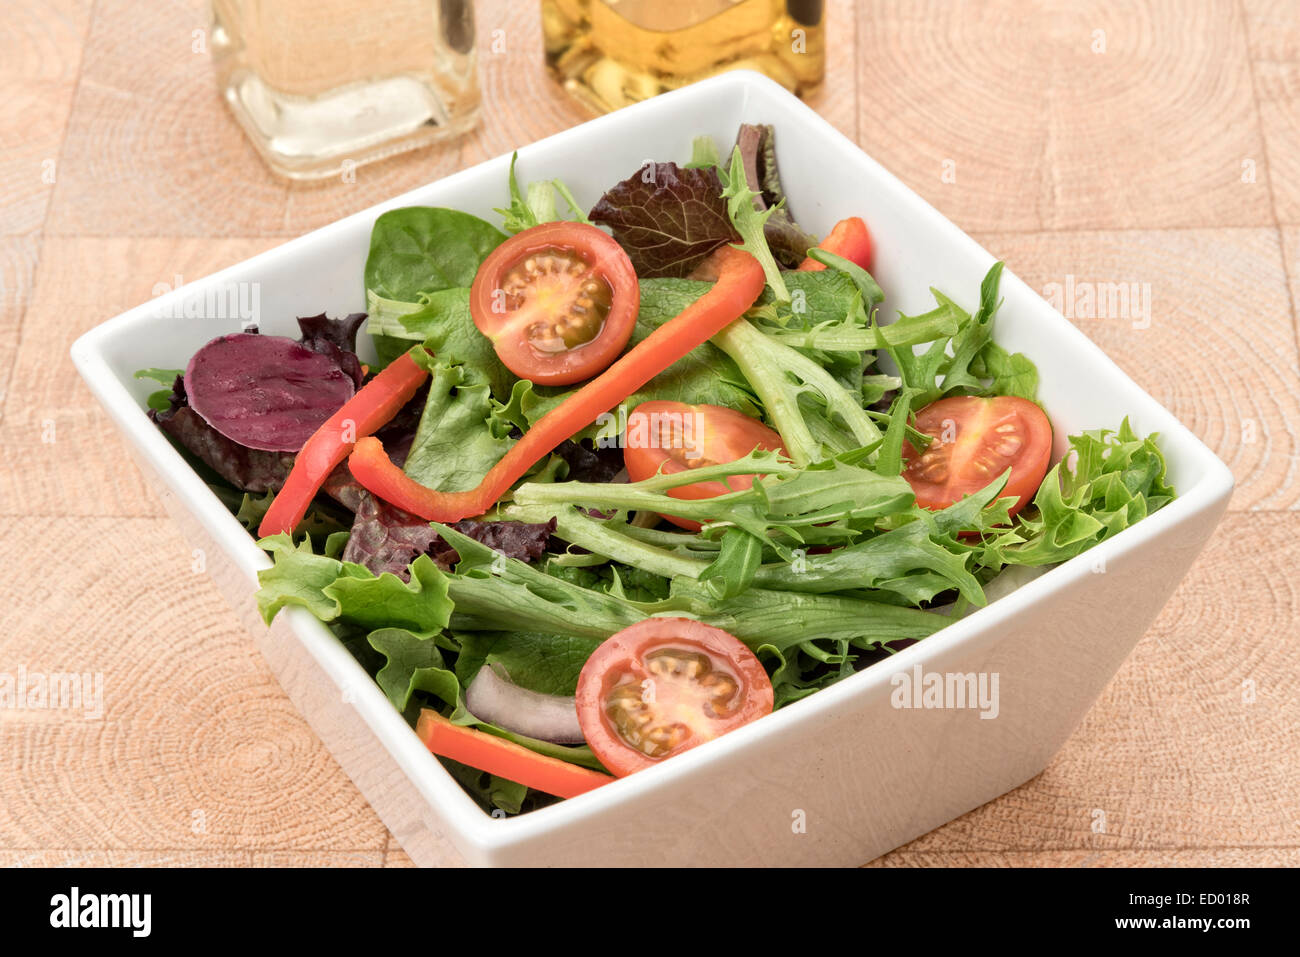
{"type": "Point", "coordinates": [606, 495]}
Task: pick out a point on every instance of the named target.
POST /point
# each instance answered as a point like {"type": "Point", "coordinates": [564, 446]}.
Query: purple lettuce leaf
{"type": "Point", "coordinates": [336, 338]}
{"type": "Point", "coordinates": [252, 470]}
{"type": "Point", "coordinates": [387, 539]}
{"type": "Point", "coordinates": [667, 219]}
{"type": "Point", "coordinates": [588, 464]}
{"type": "Point", "coordinates": [787, 240]}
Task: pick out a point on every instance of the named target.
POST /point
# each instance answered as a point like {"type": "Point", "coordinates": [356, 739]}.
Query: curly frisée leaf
{"type": "Point", "coordinates": [1116, 479]}
{"type": "Point", "coordinates": [797, 391]}
{"type": "Point", "coordinates": [967, 362]}
{"type": "Point", "coordinates": [750, 222]}
{"type": "Point", "coordinates": [787, 240]}
{"type": "Point", "coordinates": [539, 205]}
{"type": "Point", "coordinates": [495, 593]}
{"type": "Point", "coordinates": [781, 508]}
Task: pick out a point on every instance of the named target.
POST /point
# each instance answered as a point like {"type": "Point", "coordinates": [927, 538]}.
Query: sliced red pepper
{"type": "Point", "coordinates": [372, 407]}
{"type": "Point", "coordinates": [740, 280]}
{"type": "Point", "coordinates": [849, 239]}
{"type": "Point", "coordinates": [505, 759]}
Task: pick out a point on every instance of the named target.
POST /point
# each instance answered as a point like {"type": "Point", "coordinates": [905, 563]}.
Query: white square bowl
{"type": "Point", "coordinates": [837, 778]}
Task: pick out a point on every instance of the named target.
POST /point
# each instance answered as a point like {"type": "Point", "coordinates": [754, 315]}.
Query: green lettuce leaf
{"type": "Point", "coordinates": [444, 324]}
{"type": "Point", "coordinates": [463, 431]}
{"type": "Point", "coordinates": [337, 591]}
{"type": "Point", "coordinates": [413, 663]}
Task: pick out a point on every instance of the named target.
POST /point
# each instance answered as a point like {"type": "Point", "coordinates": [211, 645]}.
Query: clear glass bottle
{"type": "Point", "coordinates": [609, 53]}
{"type": "Point", "coordinates": [321, 85]}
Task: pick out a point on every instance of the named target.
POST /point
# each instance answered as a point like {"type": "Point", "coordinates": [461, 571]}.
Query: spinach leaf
{"type": "Point", "coordinates": [419, 250]}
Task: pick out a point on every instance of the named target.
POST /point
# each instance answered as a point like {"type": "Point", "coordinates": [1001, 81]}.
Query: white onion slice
{"type": "Point", "coordinates": [493, 698]}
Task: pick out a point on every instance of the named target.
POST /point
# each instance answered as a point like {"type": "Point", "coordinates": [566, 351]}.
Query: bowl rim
{"type": "Point", "coordinates": [464, 818]}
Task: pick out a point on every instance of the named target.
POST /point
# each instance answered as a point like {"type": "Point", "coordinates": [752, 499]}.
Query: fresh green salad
{"type": "Point", "coordinates": [625, 479]}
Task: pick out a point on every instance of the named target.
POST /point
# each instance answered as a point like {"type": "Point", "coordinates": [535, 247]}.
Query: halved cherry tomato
{"type": "Point", "coordinates": [559, 302]}
{"type": "Point", "coordinates": [663, 686]}
{"type": "Point", "coordinates": [672, 437]}
{"type": "Point", "coordinates": [976, 440]}
{"type": "Point", "coordinates": [849, 239]}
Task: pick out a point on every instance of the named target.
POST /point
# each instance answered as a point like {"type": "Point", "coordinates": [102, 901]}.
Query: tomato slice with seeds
{"type": "Point", "coordinates": [663, 686]}
{"type": "Point", "coordinates": [559, 302]}
{"type": "Point", "coordinates": [673, 437]}
{"type": "Point", "coordinates": [976, 440]}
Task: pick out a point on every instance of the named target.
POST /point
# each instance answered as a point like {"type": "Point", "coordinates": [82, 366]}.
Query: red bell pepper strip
{"type": "Point", "coordinates": [504, 758]}
{"type": "Point", "coordinates": [849, 239]}
{"type": "Point", "coordinates": [740, 281]}
{"type": "Point", "coordinates": [374, 404]}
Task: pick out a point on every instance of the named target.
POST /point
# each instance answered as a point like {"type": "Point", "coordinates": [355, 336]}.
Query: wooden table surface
{"type": "Point", "coordinates": [1155, 142]}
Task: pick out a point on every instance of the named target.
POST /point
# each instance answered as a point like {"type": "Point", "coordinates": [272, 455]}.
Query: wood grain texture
{"type": "Point", "coordinates": [396, 857]}
{"type": "Point", "coordinates": [1125, 165]}
{"type": "Point", "coordinates": [1273, 28]}
{"type": "Point", "coordinates": [1236, 384]}
{"type": "Point", "coordinates": [521, 105]}
{"type": "Point", "coordinates": [40, 53]}
{"type": "Point", "coordinates": [197, 747]}
{"type": "Point", "coordinates": [158, 154]}
{"type": "Point", "coordinates": [150, 149]}
{"type": "Point", "coordinates": [1041, 132]}
{"type": "Point", "coordinates": [17, 270]}
{"type": "Point", "coordinates": [1291, 260]}
{"type": "Point", "coordinates": [1188, 857]}
{"type": "Point", "coordinates": [60, 453]}
{"type": "Point", "coordinates": [108, 858]}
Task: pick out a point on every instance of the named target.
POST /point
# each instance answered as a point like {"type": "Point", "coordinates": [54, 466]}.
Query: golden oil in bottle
{"type": "Point", "coordinates": [609, 53]}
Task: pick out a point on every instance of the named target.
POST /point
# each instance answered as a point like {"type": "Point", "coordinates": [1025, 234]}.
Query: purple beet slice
{"type": "Point", "coordinates": [265, 392]}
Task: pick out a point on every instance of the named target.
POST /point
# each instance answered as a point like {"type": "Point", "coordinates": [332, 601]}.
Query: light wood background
{"type": "Point", "coordinates": [1150, 141]}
